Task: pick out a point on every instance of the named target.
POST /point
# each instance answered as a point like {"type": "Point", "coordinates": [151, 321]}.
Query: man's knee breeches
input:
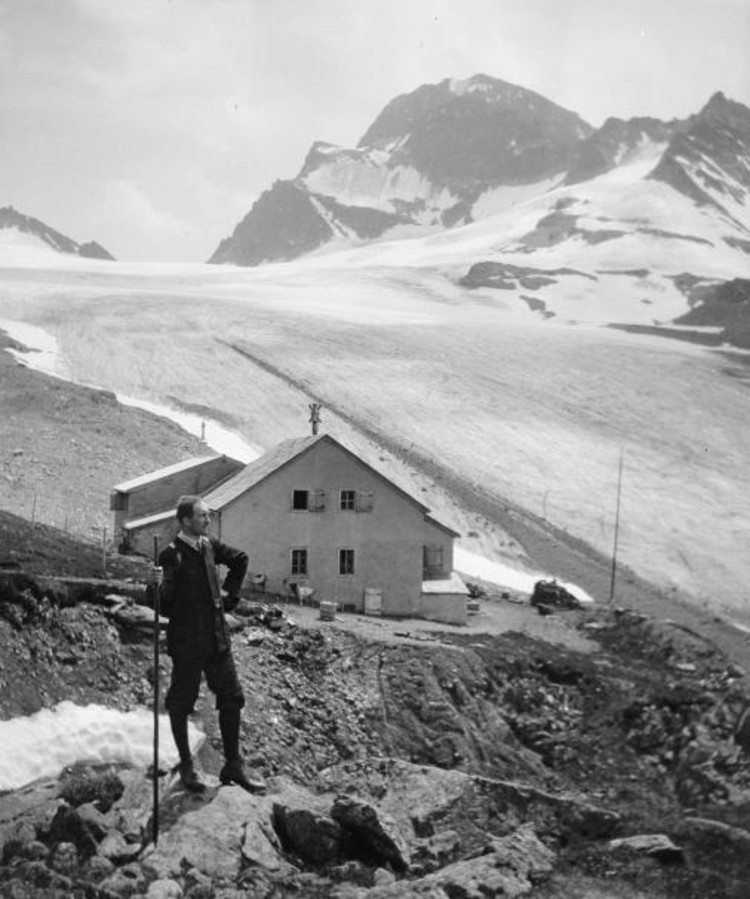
{"type": "Point", "coordinates": [221, 677]}
{"type": "Point", "coordinates": [222, 680]}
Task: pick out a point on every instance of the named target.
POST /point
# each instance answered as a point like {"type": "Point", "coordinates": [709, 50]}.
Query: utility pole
{"type": "Point", "coordinates": [103, 529]}
{"type": "Point", "coordinates": [155, 584]}
{"type": "Point", "coordinates": [617, 528]}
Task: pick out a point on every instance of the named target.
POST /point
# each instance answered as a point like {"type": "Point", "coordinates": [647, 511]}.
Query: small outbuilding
{"type": "Point", "coordinates": [142, 505]}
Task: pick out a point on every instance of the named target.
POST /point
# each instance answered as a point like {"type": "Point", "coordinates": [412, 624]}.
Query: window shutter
{"type": "Point", "coordinates": [432, 562]}
{"type": "Point", "coordinates": [364, 501]}
{"type": "Point", "coordinates": [317, 500]}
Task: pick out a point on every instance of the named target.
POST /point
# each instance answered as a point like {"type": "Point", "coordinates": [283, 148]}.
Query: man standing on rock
{"type": "Point", "coordinates": [198, 637]}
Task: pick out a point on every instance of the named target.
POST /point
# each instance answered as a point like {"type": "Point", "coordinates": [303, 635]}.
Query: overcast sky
{"type": "Point", "coordinates": [153, 125]}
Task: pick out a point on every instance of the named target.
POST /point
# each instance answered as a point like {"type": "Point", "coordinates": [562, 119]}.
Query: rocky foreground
{"type": "Point", "coordinates": [459, 765]}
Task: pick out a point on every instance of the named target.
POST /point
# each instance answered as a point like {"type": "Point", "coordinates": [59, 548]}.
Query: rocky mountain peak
{"type": "Point", "coordinates": [482, 130]}
{"type": "Point", "coordinates": [720, 111]}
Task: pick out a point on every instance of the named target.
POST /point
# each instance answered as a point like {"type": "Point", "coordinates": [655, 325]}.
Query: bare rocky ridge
{"type": "Point", "coordinates": [11, 218]}
{"type": "Point", "coordinates": [614, 142]}
{"type": "Point", "coordinates": [726, 306]}
{"type": "Point", "coordinates": [707, 160]}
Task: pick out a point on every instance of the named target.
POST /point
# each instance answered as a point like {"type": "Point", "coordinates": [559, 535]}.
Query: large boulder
{"type": "Point", "coordinates": [373, 832]}
{"type": "Point", "coordinates": [209, 838]}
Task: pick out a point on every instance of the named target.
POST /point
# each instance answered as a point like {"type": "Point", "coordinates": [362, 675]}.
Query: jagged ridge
{"type": "Point", "coordinates": [26, 224]}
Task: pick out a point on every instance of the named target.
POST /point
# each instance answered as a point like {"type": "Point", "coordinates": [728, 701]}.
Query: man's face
{"type": "Point", "coordinates": [198, 523]}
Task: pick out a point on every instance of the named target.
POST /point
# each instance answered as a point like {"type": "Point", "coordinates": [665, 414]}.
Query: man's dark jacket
{"type": "Point", "coordinates": [191, 597]}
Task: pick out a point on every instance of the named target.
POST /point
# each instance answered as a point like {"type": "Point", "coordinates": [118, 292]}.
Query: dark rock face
{"type": "Point", "coordinates": [375, 831]}
{"type": "Point", "coordinates": [311, 834]}
{"type": "Point", "coordinates": [726, 306]}
{"type": "Point", "coordinates": [283, 223]}
{"type": "Point", "coordinates": [477, 133]}
{"type": "Point", "coordinates": [11, 218]}
{"type": "Point", "coordinates": [504, 276]}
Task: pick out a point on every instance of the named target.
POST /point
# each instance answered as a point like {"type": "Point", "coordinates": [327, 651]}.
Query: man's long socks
{"type": "Point", "coordinates": [179, 724]}
{"type": "Point", "coordinates": [229, 725]}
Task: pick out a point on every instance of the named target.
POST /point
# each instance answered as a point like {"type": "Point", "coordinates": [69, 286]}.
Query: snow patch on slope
{"type": "Point", "coordinates": [364, 180]}
{"type": "Point", "coordinates": [41, 745]}
{"type": "Point", "coordinates": [500, 199]}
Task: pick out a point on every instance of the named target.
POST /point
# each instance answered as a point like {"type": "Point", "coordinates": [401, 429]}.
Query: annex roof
{"type": "Point", "coordinates": [138, 523]}
{"type": "Point", "coordinates": [452, 584]}
{"type": "Point", "coordinates": [166, 472]}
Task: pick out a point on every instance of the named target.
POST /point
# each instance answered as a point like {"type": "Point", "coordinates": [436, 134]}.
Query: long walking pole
{"type": "Point", "coordinates": [155, 769]}
{"type": "Point", "coordinates": [617, 529]}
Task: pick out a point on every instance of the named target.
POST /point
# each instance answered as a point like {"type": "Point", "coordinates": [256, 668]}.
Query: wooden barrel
{"type": "Point", "coordinates": [328, 611]}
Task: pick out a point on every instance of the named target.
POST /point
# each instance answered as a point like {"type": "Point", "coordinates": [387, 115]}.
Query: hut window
{"type": "Point", "coordinates": [432, 561]}
{"type": "Point", "coordinates": [299, 561]}
{"type": "Point", "coordinates": [300, 500]}
{"type": "Point", "coordinates": [346, 561]}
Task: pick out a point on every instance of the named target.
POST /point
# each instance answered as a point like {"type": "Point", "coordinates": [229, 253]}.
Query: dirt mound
{"type": "Point", "coordinates": [39, 549]}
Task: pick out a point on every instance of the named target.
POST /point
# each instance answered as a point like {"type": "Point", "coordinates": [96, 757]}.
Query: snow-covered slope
{"type": "Point", "coordinates": [613, 249]}
{"type": "Point", "coordinates": [469, 398]}
{"type": "Point", "coordinates": [45, 742]}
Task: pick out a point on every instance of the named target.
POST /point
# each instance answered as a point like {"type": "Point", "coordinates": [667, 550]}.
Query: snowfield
{"type": "Point", "coordinates": [438, 387]}
{"type": "Point", "coordinates": [45, 742]}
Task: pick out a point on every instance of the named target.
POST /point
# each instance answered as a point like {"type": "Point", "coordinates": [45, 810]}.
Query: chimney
{"type": "Point", "coordinates": [315, 416]}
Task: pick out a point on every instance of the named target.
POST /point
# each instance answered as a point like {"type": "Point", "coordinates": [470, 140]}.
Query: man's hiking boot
{"type": "Point", "coordinates": [189, 779]}
{"type": "Point", "coordinates": [234, 773]}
